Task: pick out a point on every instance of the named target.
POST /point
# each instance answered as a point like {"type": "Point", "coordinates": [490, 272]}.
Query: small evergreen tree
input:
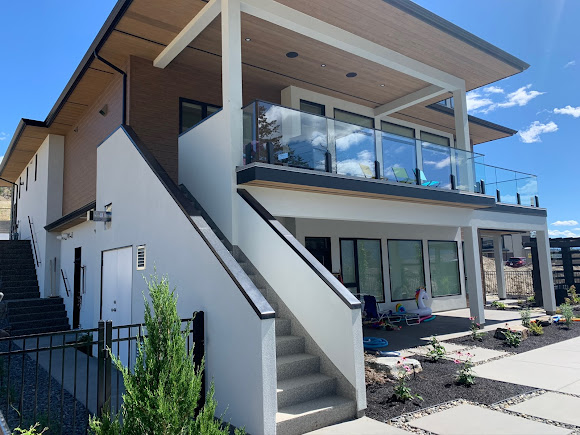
{"type": "Point", "coordinates": [163, 390]}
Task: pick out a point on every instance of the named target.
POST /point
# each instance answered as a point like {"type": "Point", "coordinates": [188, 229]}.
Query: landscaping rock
{"type": "Point", "coordinates": [522, 330]}
{"type": "Point", "coordinates": [544, 320]}
{"type": "Point", "coordinates": [393, 366]}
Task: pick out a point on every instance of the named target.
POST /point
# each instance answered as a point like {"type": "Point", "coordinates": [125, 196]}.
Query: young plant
{"type": "Point", "coordinates": [465, 375]}
{"type": "Point", "coordinates": [498, 305]}
{"type": "Point", "coordinates": [536, 328]}
{"type": "Point", "coordinates": [32, 430]}
{"type": "Point", "coordinates": [402, 390]}
{"type": "Point", "coordinates": [437, 350]}
{"type": "Point", "coordinates": [532, 300]}
{"type": "Point", "coordinates": [574, 298]}
{"type": "Point", "coordinates": [476, 334]}
{"type": "Point", "coordinates": [512, 338]}
{"type": "Point", "coordinates": [526, 317]}
{"type": "Point", "coordinates": [163, 389]}
{"type": "Point", "coordinates": [568, 314]}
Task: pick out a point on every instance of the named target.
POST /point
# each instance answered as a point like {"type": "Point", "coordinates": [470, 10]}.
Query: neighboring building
{"type": "Point", "coordinates": [318, 113]}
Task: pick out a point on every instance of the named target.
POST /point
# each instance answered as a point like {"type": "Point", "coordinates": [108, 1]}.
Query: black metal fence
{"type": "Point", "coordinates": [518, 283]}
{"type": "Point", "coordinates": [59, 379]}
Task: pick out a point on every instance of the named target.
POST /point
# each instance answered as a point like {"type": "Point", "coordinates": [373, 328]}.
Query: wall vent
{"type": "Point", "coordinates": [141, 257]}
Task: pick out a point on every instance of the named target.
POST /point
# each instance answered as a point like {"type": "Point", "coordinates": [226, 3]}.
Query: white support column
{"type": "Point", "coordinates": [473, 272]}
{"type": "Point", "coordinates": [232, 94]}
{"type": "Point", "coordinates": [499, 266]}
{"type": "Point", "coordinates": [461, 119]}
{"type": "Point", "coordinates": [547, 280]}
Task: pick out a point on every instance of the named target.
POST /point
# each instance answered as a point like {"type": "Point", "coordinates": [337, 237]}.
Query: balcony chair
{"type": "Point", "coordinates": [424, 181]}
{"type": "Point", "coordinates": [371, 308]}
{"type": "Point", "coordinates": [367, 172]}
{"type": "Point", "coordinates": [401, 175]}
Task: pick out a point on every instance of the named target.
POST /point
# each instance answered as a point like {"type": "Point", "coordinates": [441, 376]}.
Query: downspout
{"type": "Point", "coordinates": [120, 71]}
{"type": "Point", "coordinates": [13, 208]}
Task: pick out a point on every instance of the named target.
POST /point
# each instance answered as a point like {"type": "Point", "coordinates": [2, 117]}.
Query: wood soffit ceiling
{"type": "Point", "coordinates": [147, 26]}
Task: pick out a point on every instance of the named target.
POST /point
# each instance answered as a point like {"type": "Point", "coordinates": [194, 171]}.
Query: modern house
{"type": "Point", "coordinates": [277, 159]}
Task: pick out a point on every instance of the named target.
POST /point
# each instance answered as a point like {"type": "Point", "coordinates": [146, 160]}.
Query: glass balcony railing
{"type": "Point", "coordinates": [282, 136]}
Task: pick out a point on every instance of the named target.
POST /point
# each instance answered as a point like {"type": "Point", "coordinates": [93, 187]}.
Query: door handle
{"type": "Point", "coordinates": [113, 309]}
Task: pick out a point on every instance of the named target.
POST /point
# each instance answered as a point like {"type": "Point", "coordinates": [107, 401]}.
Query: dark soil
{"type": "Point", "coordinates": [552, 334]}
{"type": "Point", "coordinates": [436, 384]}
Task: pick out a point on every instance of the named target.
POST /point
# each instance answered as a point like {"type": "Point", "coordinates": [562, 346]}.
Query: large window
{"type": "Point", "coordinates": [354, 118]}
{"type": "Point", "coordinates": [444, 267]}
{"type": "Point", "coordinates": [405, 268]}
{"type": "Point", "coordinates": [361, 265]}
{"type": "Point", "coordinates": [399, 130]}
{"type": "Point", "coordinates": [193, 112]}
{"type": "Point", "coordinates": [314, 108]}
{"type": "Point", "coordinates": [434, 138]}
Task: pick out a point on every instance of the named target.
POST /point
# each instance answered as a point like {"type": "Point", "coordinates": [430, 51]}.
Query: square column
{"type": "Point", "coordinates": [499, 267]}
{"type": "Point", "coordinates": [546, 278]}
{"type": "Point", "coordinates": [473, 273]}
{"type": "Point", "coordinates": [461, 119]}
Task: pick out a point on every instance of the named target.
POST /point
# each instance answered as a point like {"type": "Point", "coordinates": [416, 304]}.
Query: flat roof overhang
{"type": "Point", "coordinates": [283, 177]}
{"type": "Point", "coordinates": [72, 219]}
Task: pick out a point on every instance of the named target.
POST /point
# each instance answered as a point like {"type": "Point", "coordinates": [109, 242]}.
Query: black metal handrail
{"type": "Point", "coordinates": [33, 242]}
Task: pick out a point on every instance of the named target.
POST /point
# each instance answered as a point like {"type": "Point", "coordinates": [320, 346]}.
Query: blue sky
{"type": "Point", "coordinates": [43, 43]}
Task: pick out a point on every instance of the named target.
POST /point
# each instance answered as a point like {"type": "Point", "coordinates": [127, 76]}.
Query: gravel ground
{"type": "Point", "coordinates": [14, 372]}
{"type": "Point", "coordinates": [552, 334]}
{"type": "Point", "coordinates": [436, 385]}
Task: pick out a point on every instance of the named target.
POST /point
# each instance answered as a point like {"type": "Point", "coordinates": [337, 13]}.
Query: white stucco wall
{"type": "Point", "coordinates": [240, 348]}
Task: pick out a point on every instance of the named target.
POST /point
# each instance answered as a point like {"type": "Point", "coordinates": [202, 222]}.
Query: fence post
{"type": "Point", "coordinates": [107, 362]}
{"type": "Point", "coordinates": [198, 337]}
{"type": "Point", "coordinates": [100, 368]}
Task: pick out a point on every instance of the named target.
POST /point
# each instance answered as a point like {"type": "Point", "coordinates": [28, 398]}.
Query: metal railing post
{"type": "Point", "coordinates": [519, 199]}
{"type": "Point", "coordinates": [452, 181]}
{"type": "Point", "coordinates": [198, 337]}
{"type": "Point", "coordinates": [107, 354]}
{"type": "Point", "coordinates": [377, 170]}
{"type": "Point", "coordinates": [100, 368]}
{"type": "Point", "coordinates": [482, 186]}
{"type": "Point", "coordinates": [498, 195]}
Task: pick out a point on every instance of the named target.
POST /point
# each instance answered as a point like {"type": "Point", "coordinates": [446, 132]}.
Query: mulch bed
{"type": "Point", "coordinates": [552, 334]}
{"type": "Point", "coordinates": [436, 384]}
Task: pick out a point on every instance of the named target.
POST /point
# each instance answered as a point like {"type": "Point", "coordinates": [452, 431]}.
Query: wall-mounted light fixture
{"type": "Point", "coordinates": [65, 236]}
{"type": "Point", "coordinates": [104, 110]}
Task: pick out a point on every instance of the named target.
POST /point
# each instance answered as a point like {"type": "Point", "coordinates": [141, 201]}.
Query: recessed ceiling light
{"type": "Point", "coordinates": [248, 39]}
{"type": "Point", "coordinates": [291, 54]}
{"type": "Point", "coordinates": [382, 86]}
{"type": "Point", "coordinates": [323, 65]}
{"type": "Point", "coordinates": [351, 74]}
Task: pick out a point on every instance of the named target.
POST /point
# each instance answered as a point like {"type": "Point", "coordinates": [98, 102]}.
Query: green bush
{"type": "Point", "coordinates": [437, 350]}
{"type": "Point", "coordinates": [536, 328]}
{"type": "Point", "coordinates": [163, 390]}
{"type": "Point", "coordinates": [512, 338]}
{"type": "Point", "coordinates": [526, 318]}
{"type": "Point", "coordinates": [568, 314]}
{"type": "Point", "coordinates": [499, 305]}
{"type": "Point", "coordinates": [32, 430]}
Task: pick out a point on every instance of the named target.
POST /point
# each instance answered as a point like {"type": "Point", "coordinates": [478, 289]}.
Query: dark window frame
{"type": "Point", "coordinates": [36, 167]}
{"type": "Point", "coordinates": [458, 269]}
{"type": "Point", "coordinates": [356, 114]}
{"type": "Point", "coordinates": [204, 107]}
{"type": "Point", "coordinates": [355, 239]}
{"type": "Point", "coordinates": [312, 103]}
{"type": "Point", "coordinates": [422, 265]}
{"type": "Point", "coordinates": [401, 126]}
{"type": "Point", "coordinates": [27, 177]}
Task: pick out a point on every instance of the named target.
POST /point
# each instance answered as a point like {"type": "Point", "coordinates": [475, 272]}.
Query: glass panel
{"type": "Point", "coordinates": [434, 138]}
{"type": "Point", "coordinates": [465, 169]}
{"type": "Point", "coordinates": [347, 262]}
{"type": "Point", "coordinates": [527, 186]}
{"type": "Point", "coordinates": [291, 137]}
{"type": "Point", "coordinates": [398, 152]}
{"type": "Point", "coordinates": [436, 165]}
{"type": "Point", "coordinates": [405, 268]}
{"type": "Point", "coordinates": [370, 271]}
{"type": "Point", "coordinates": [354, 118]}
{"type": "Point", "coordinates": [249, 133]}
{"type": "Point", "coordinates": [398, 130]}
{"type": "Point", "coordinates": [191, 114]}
{"type": "Point", "coordinates": [507, 185]}
{"type": "Point", "coordinates": [444, 266]}
{"type": "Point", "coordinates": [355, 150]}
{"type": "Point", "coordinates": [212, 109]}
{"type": "Point", "coordinates": [313, 108]}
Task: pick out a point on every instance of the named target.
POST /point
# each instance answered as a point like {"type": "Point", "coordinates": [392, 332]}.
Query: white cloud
{"type": "Point", "coordinates": [565, 233]}
{"type": "Point", "coordinates": [475, 101]}
{"type": "Point", "coordinates": [536, 128]}
{"type": "Point", "coordinates": [3, 136]}
{"type": "Point", "coordinates": [569, 223]}
{"type": "Point", "coordinates": [571, 63]}
{"type": "Point", "coordinates": [569, 110]}
{"type": "Point", "coordinates": [493, 90]}
{"type": "Point", "coordinates": [521, 97]}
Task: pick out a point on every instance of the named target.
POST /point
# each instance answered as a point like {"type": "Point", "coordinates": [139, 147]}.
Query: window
{"type": "Point", "coordinates": [354, 118]}
{"type": "Point", "coordinates": [444, 267]}
{"type": "Point", "coordinates": [320, 248]}
{"type": "Point", "coordinates": [193, 112]}
{"type": "Point", "coordinates": [434, 138]}
{"type": "Point", "coordinates": [27, 178]}
{"type": "Point", "coordinates": [405, 268]}
{"type": "Point", "coordinates": [399, 130]}
{"type": "Point", "coordinates": [20, 183]}
{"type": "Point", "coordinates": [35, 167]}
{"type": "Point", "coordinates": [314, 108]}
{"type": "Point", "coordinates": [361, 265]}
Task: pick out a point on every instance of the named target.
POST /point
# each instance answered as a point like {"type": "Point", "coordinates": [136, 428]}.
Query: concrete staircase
{"type": "Point", "coordinates": [26, 312]}
{"type": "Point", "coordinates": [307, 398]}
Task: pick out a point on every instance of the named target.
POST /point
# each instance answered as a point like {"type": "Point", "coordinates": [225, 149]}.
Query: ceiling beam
{"type": "Point", "coordinates": [409, 100]}
{"type": "Point", "coordinates": [319, 30]}
{"type": "Point", "coordinates": [197, 25]}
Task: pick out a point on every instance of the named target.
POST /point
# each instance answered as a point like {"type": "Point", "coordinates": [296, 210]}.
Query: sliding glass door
{"type": "Point", "coordinates": [361, 265]}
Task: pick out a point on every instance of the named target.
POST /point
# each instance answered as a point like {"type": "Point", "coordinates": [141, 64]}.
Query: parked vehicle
{"type": "Point", "coordinates": [516, 262]}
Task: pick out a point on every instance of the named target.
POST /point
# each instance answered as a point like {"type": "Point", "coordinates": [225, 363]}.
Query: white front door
{"type": "Point", "coordinates": [116, 285]}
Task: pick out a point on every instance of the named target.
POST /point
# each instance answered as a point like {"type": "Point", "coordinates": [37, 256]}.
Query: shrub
{"type": "Point", "coordinates": [574, 298]}
{"type": "Point", "coordinates": [163, 390]}
{"type": "Point", "coordinates": [512, 338]}
{"type": "Point", "coordinates": [437, 350]}
{"type": "Point", "coordinates": [32, 430]}
{"type": "Point", "coordinates": [532, 300]}
{"type": "Point", "coordinates": [536, 328]}
{"type": "Point", "coordinates": [526, 318]}
{"type": "Point", "coordinates": [476, 335]}
{"type": "Point", "coordinates": [402, 390]}
{"type": "Point", "coordinates": [567, 313]}
{"type": "Point", "coordinates": [465, 374]}
{"type": "Point", "coordinates": [499, 305]}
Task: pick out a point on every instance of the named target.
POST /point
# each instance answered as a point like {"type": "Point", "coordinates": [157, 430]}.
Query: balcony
{"type": "Point", "coordinates": [277, 135]}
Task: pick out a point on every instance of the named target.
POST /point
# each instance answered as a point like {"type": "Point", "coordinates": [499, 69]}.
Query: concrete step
{"type": "Point", "coordinates": [32, 302]}
{"type": "Point", "coordinates": [34, 309]}
{"type": "Point", "coordinates": [23, 268]}
{"type": "Point", "coordinates": [289, 344]}
{"type": "Point", "coordinates": [304, 388]}
{"type": "Point", "coordinates": [42, 315]}
{"type": "Point", "coordinates": [16, 295]}
{"type": "Point", "coordinates": [298, 364]}
{"type": "Point", "coordinates": [283, 326]}
{"type": "Point", "coordinates": [18, 277]}
{"type": "Point", "coordinates": [41, 330]}
{"type": "Point", "coordinates": [16, 261]}
{"type": "Point", "coordinates": [38, 323]}
{"type": "Point", "coordinates": [314, 414]}
{"type": "Point", "coordinates": [18, 282]}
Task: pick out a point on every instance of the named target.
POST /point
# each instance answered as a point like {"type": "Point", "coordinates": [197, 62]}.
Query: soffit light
{"type": "Point", "coordinates": [248, 39]}
{"type": "Point", "coordinates": [323, 65]}
{"type": "Point", "coordinates": [351, 74]}
{"type": "Point", "coordinates": [291, 54]}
